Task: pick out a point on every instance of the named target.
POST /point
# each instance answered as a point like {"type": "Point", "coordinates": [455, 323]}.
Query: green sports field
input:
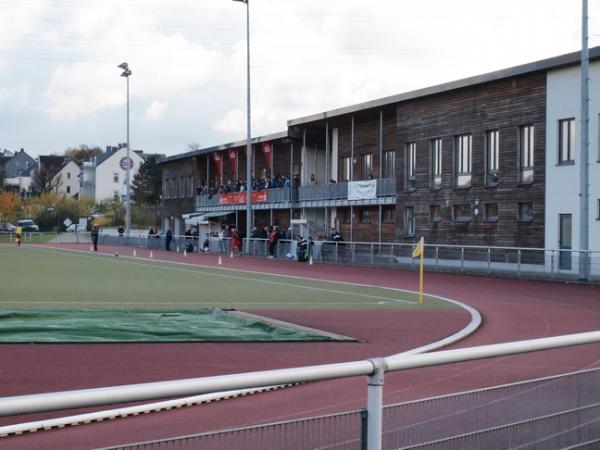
{"type": "Point", "coordinates": [45, 278]}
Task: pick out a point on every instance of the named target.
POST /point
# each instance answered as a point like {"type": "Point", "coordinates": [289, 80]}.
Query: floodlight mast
{"type": "Point", "coordinates": [127, 73]}
{"type": "Point", "coordinates": [249, 215]}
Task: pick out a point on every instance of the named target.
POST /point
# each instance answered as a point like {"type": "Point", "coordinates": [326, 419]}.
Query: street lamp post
{"type": "Point", "coordinates": [126, 73]}
{"type": "Point", "coordinates": [249, 220]}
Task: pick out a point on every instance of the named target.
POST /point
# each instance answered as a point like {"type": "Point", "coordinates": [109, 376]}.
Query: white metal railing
{"type": "Point", "coordinates": [374, 369]}
{"type": "Point", "coordinates": [544, 263]}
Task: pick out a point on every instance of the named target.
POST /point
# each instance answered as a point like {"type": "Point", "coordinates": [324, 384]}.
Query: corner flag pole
{"type": "Point", "coordinates": [422, 256]}
{"type": "Point", "coordinates": [420, 252]}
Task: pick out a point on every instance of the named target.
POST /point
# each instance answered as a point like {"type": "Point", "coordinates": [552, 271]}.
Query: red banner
{"type": "Point", "coordinates": [267, 149]}
{"type": "Point", "coordinates": [218, 160]}
{"type": "Point", "coordinates": [233, 160]}
{"type": "Point", "coordinates": [239, 198]}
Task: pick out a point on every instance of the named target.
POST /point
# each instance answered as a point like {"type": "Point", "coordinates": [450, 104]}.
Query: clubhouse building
{"type": "Point", "coordinates": [490, 160]}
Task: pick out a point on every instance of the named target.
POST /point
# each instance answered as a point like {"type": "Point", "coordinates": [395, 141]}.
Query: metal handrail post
{"type": "Point", "coordinates": [519, 262]}
{"type": "Point", "coordinates": [462, 259]}
{"type": "Point", "coordinates": [489, 260]}
{"type": "Point", "coordinates": [375, 405]}
{"type": "Point", "coordinates": [437, 258]}
{"type": "Point", "coordinates": [552, 264]}
{"type": "Point", "coordinates": [336, 252]}
{"type": "Point", "coordinates": [372, 250]}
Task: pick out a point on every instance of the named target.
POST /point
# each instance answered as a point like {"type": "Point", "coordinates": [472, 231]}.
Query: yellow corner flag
{"type": "Point", "coordinates": [420, 251]}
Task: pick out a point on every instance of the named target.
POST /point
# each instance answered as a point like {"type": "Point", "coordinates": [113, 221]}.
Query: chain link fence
{"type": "Point", "coordinates": [550, 413]}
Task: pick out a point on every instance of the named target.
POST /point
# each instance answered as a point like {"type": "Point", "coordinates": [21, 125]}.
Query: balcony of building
{"type": "Point", "coordinates": [357, 193]}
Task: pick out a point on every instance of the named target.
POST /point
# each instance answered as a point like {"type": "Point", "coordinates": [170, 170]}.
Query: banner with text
{"type": "Point", "coordinates": [239, 198]}
{"type": "Point", "coordinates": [362, 190]}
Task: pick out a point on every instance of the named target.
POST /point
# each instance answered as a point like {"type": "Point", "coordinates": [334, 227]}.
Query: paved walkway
{"type": "Point", "coordinates": [512, 310]}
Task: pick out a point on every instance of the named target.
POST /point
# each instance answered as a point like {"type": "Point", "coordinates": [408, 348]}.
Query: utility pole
{"type": "Point", "coordinates": [584, 195]}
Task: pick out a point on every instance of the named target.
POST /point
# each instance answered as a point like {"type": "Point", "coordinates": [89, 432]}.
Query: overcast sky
{"type": "Point", "coordinates": [60, 85]}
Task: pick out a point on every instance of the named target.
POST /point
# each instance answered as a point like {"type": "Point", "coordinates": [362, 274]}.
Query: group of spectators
{"type": "Point", "coordinates": [279, 181]}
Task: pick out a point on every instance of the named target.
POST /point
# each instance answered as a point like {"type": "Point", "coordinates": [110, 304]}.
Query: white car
{"type": "Point", "coordinates": [73, 228]}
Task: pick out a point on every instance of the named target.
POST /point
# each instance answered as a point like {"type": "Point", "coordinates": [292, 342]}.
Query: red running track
{"type": "Point", "coordinates": [512, 310]}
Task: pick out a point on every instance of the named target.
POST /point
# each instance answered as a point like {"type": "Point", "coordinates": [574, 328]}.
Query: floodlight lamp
{"type": "Point", "coordinates": [123, 66]}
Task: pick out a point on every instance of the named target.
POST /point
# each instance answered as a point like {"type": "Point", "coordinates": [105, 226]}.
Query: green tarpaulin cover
{"type": "Point", "coordinates": [85, 326]}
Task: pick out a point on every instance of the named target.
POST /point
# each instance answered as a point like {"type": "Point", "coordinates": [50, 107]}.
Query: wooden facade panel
{"type": "Point", "coordinates": [505, 106]}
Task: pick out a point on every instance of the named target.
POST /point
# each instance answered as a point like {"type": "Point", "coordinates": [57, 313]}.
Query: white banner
{"type": "Point", "coordinates": [360, 190]}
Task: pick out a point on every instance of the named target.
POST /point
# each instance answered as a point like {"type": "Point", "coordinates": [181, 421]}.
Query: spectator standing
{"type": "Point", "coordinates": [273, 238]}
{"type": "Point", "coordinates": [168, 239]}
{"type": "Point", "coordinates": [94, 236]}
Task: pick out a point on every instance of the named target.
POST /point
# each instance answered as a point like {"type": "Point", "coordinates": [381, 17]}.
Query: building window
{"type": "Point", "coordinates": [364, 216]}
{"type": "Point", "coordinates": [68, 175]}
{"type": "Point", "coordinates": [525, 212]}
{"type": "Point", "coordinates": [366, 166]}
{"type": "Point", "coordinates": [387, 215]}
{"type": "Point", "coordinates": [436, 163]}
{"type": "Point", "coordinates": [491, 212]}
{"type": "Point", "coordinates": [463, 155]}
{"type": "Point", "coordinates": [461, 212]}
{"type": "Point", "coordinates": [116, 195]}
{"type": "Point", "coordinates": [492, 157]}
{"type": "Point", "coordinates": [411, 163]}
{"type": "Point", "coordinates": [526, 154]}
{"type": "Point", "coordinates": [566, 141]}
{"type": "Point", "coordinates": [68, 189]}
{"type": "Point", "coordinates": [409, 221]}
{"type": "Point", "coordinates": [389, 164]}
{"type": "Point", "coordinates": [115, 177]}
{"type": "Point", "coordinates": [346, 168]}
{"type": "Point", "coordinates": [191, 186]}
{"type": "Point", "coordinates": [435, 212]}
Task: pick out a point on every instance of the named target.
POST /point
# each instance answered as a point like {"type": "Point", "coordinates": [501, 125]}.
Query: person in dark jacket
{"type": "Point", "coordinates": [94, 236]}
{"type": "Point", "coordinates": [168, 239]}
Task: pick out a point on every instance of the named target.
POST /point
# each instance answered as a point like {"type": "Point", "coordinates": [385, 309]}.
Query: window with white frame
{"type": "Point", "coordinates": [389, 164]}
{"type": "Point", "coordinates": [463, 158]}
{"type": "Point", "coordinates": [411, 165]}
{"type": "Point", "coordinates": [566, 141]}
{"type": "Point", "coordinates": [526, 145]}
{"type": "Point", "coordinates": [525, 212]}
{"type": "Point", "coordinates": [462, 212]}
{"type": "Point", "coordinates": [409, 221]}
{"type": "Point", "coordinates": [115, 177]}
{"type": "Point", "coordinates": [68, 175]}
{"type": "Point", "coordinates": [492, 157]}
{"type": "Point", "coordinates": [436, 163]}
{"type": "Point", "coordinates": [435, 213]}
{"type": "Point", "coordinates": [491, 212]}
{"type": "Point", "coordinates": [366, 165]}
{"type": "Point", "coordinates": [346, 168]}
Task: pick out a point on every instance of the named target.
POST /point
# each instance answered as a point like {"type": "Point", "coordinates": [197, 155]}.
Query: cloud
{"type": "Point", "coordinates": [156, 110]}
{"type": "Point", "coordinates": [16, 98]}
{"type": "Point", "coordinates": [233, 122]}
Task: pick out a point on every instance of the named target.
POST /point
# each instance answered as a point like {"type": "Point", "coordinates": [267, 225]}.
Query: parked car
{"type": "Point", "coordinates": [28, 225]}
{"type": "Point", "coordinates": [74, 228]}
{"type": "Point", "coordinates": [7, 227]}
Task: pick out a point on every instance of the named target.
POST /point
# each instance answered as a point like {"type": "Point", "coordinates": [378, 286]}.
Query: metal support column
{"type": "Point", "coordinates": [380, 213]}
{"type": "Point", "coordinates": [584, 197]}
{"type": "Point", "coordinates": [352, 150]}
{"type": "Point", "coordinates": [351, 223]}
{"type": "Point", "coordinates": [327, 174]}
{"type": "Point", "coordinates": [380, 145]}
{"type": "Point", "coordinates": [375, 405]}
